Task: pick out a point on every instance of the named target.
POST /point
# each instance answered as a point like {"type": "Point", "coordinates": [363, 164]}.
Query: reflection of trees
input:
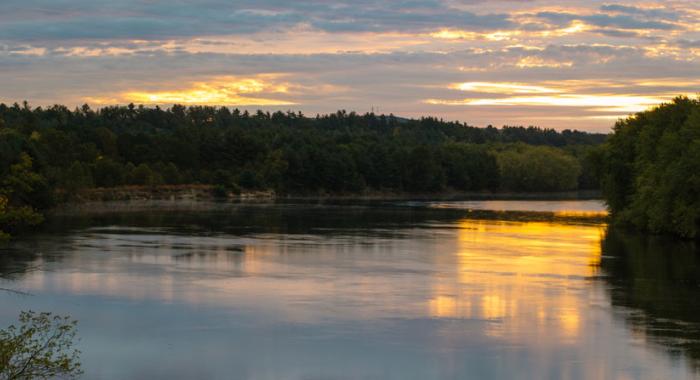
{"type": "Point", "coordinates": [15, 263]}
{"type": "Point", "coordinates": [299, 218]}
{"type": "Point", "coordinates": [207, 218]}
{"type": "Point", "coordinates": [658, 279]}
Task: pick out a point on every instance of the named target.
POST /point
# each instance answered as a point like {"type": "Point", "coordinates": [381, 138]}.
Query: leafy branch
{"type": "Point", "coordinates": [41, 347]}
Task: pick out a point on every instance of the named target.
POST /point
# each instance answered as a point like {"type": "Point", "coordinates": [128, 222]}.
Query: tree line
{"type": "Point", "coordinates": [49, 154]}
{"type": "Point", "coordinates": [651, 170]}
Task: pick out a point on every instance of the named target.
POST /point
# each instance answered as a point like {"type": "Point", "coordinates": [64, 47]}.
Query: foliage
{"type": "Point", "coordinates": [537, 168]}
{"type": "Point", "coordinates": [40, 348]}
{"type": "Point", "coordinates": [144, 175]}
{"type": "Point", "coordinates": [53, 154]}
{"type": "Point", "coordinates": [651, 170]}
{"type": "Point", "coordinates": [20, 189]}
{"type": "Point", "coordinates": [288, 152]}
{"type": "Point", "coordinates": [4, 215]}
{"type": "Point", "coordinates": [14, 219]}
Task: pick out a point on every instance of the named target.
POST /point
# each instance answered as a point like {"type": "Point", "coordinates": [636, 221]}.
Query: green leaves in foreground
{"type": "Point", "coordinates": [41, 347]}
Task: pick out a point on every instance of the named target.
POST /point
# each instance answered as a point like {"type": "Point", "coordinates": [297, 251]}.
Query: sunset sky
{"type": "Point", "coordinates": [561, 64]}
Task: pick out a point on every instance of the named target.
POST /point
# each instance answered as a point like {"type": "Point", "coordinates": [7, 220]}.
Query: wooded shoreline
{"type": "Point", "coordinates": [212, 192]}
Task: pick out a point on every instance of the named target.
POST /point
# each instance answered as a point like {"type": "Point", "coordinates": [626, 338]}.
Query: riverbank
{"type": "Point", "coordinates": [559, 211]}
{"type": "Point", "coordinates": [210, 192]}
{"type": "Point", "coordinates": [198, 197]}
{"type": "Point", "coordinates": [163, 192]}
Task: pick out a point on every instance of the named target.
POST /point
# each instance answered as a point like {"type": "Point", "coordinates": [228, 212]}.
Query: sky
{"type": "Point", "coordinates": [554, 64]}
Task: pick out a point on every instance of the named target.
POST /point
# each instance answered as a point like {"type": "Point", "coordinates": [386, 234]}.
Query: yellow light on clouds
{"type": "Point", "coordinates": [221, 91]}
{"type": "Point", "coordinates": [448, 34]}
{"type": "Point", "coordinates": [509, 35]}
{"type": "Point", "coordinates": [226, 90]}
{"type": "Point", "coordinates": [614, 103]}
{"type": "Point", "coordinates": [532, 61]}
{"type": "Point", "coordinates": [502, 88]}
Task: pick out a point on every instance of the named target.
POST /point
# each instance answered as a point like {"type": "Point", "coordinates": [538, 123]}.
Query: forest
{"type": "Point", "coordinates": [651, 170]}
{"type": "Point", "coordinates": [48, 155]}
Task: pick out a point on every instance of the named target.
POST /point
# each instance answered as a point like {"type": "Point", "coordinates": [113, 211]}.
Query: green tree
{"type": "Point", "coordinates": [651, 171]}
{"type": "Point", "coordinates": [76, 177]}
{"type": "Point", "coordinates": [41, 347]}
{"type": "Point", "coordinates": [248, 179]}
{"type": "Point", "coordinates": [144, 175]}
{"type": "Point", "coordinates": [15, 219]}
{"type": "Point", "coordinates": [170, 173]}
{"type": "Point", "coordinates": [537, 168]}
{"type": "Point", "coordinates": [423, 170]}
{"type": "Point", "coordinates": [108, 173]}
{"type": "Point", "coordinates": [16, 197]}
{"type": "Point", "coordinates": [469, 167]}
{"type": "Point", "coordinates": [274, 170]}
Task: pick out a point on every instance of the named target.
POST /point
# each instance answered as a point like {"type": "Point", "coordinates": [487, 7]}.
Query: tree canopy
{"type": "Point", "coordinates": [50, 154]}
{"type": "Point", "coordinates": [651, 169]}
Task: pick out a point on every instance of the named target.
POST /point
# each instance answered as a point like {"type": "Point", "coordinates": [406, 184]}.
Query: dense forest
{"type": "Point", "coordinates": [49, 154]}
{"type": "Point", "coordinates": [651, 170]}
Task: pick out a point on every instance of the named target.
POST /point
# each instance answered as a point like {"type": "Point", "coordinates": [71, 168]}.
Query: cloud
{"type": "Point", "coordinates": [619, 104]}
{"type": "Point", "coordinates": [655, 13]}
{"type": "Point", "coordinates": [131, 19]}
{"type": "Point", "coordinates": [502, 88]}
{"type": "Point", "coordinates": [392, 55]}
{"type": "Point", "coordinates": [219, 91]}
{"type": "Point", "coordinates": [689, 44]}
{"type": "Point", "coordinates": [605, 20]}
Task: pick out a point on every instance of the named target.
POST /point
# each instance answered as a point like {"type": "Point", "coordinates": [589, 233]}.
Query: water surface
{"type": "Point", "coordinates": [382, 291]}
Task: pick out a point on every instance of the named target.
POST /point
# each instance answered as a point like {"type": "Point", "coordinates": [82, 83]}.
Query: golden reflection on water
{"type": "Point", "coordinates": [515, 297]}
{"type": "Point", "coordinates": [525, 278]}
{"type": "Point", "coordinates": [524, 275]}
{"type": "Point", "coordinates": [583, 214]}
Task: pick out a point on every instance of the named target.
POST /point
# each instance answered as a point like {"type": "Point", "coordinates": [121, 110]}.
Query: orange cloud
{"type": "Point", "coordinates": [603, 103]}
{"type": "Point", "coordinates": [224, 90]}
{"type": "Point", "coordinates": [502, 88]}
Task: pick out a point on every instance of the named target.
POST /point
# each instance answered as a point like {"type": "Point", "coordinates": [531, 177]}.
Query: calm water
{"type": "Point", "coordinates": [383, 291]}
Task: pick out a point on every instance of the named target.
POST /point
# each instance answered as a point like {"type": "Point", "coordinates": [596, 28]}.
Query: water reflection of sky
{"type": "Point", "coordinates": [448, 299]}
{"type": "Point", "coordinates": [565, 207]}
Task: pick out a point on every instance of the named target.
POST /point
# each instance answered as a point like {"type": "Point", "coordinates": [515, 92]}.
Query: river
{"type": "Point", "coordinates": [381, 290]}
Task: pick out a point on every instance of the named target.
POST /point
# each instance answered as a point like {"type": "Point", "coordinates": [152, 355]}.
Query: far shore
{"type": "Point", "coordinates": [210, 193]}
{"type": "Point", "coordinates": [204, 197]}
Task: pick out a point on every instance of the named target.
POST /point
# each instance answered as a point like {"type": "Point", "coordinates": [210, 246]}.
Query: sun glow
{"type": "Point", "coordinates": [221, 91]}
{"type": "Point", "coordinates": [453, 34]}
{"type": "Point", "coordinates": [510, 35]}
{"type": "Point", "coordinates": [502, 88]}
{"type": "Point", "coordinates": [226, 90]}
{"type": "Point", "coordinates": [634, 95]}
{"type": "Point", "coordinates": [535, 62]}
{"type": "Point", "coordinates": [450, 34]}
{"type": "Point", "coordinates": [603, 102]}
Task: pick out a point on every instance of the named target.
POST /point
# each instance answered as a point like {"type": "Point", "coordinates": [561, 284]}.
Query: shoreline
{"type": "Point", "coordinates": [97, 209]}
{"type": "Point", "coordinates": [201, 198]}
{"type": "Point", "coordinates": [209, 193]}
